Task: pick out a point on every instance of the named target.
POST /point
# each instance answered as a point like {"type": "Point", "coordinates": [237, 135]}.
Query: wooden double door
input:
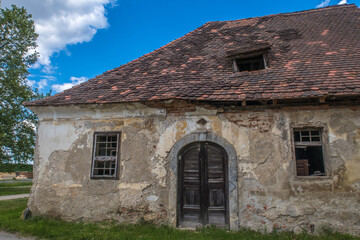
{"type": "Point", "coordinates": [203, 186]}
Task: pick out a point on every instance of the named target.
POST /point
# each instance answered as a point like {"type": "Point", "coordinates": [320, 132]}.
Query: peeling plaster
{"type": "Point", "coordinates": [269, 195]}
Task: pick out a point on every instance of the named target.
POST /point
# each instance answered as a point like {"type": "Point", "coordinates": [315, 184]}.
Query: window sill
{"type": "Point", "coordinates": [104, 178]}
{"type": "Point", "coordinates": [312, 178]}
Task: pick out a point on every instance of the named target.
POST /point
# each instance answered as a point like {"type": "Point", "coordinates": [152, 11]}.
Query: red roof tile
{"type": "Point", "coordinates": [312, 53]}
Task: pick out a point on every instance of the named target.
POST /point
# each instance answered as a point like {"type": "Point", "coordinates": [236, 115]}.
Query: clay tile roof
{"type": "Point", "coordinates": [311, 54]}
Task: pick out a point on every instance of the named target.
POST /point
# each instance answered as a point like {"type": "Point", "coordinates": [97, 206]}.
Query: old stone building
{"type": "Point", "coordinates": [249, 123]}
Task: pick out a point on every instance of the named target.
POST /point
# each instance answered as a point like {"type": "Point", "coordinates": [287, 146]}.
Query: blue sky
{"type": "Point", "coordinates": [80, 39]}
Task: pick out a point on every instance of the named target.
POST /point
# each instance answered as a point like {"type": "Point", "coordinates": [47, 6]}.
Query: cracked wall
{"type": "Point", "coordinates": [270, 196]}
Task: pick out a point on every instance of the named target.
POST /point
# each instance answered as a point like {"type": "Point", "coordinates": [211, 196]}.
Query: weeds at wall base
{"type": "Point", "coordinates": [47, 228]}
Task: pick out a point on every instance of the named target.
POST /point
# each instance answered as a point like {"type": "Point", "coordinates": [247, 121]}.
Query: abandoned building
{"type": "Point", "coordinates": [250, 123]}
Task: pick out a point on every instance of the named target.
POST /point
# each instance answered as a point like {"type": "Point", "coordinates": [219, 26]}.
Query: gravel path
{"type": "Point", "coordinates": [8, 197]}
{"type": "Point", "coordinates": [10, 236]}
{"type": "Point", "coordinates": [15, 181]}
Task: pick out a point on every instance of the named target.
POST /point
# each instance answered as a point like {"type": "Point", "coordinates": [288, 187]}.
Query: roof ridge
{"type": "Point", "coordinates": [296, 13]}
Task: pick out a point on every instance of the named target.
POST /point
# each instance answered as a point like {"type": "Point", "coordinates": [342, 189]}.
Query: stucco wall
{"type": "Point", "coordinates": [269, 195]}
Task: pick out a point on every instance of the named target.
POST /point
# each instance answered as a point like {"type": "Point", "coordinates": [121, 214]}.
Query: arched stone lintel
{"type": "Point", "coordinates": [232, 168]}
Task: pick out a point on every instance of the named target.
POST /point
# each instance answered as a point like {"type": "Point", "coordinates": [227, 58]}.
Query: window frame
{"type": "Point", "coordinates": [117, 157]}
{"type": "Point", "coordinates": [249, 56]}
{"type": "Point", "coordinates": [325, 149]}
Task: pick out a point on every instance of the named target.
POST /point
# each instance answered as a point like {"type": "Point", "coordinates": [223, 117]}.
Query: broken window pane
{"type": "Point", "coordinates": [315, 139]}
{"type": "Point", "coordinates": [250, 64]}
{"type": "Point", "coordinates": [296, 136]}
{"type": "Point", "coordinates": [105, 155]}
{"type": "Point", "coordinates": [309, 153]}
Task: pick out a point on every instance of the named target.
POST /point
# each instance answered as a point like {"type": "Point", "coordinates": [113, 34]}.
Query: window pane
{"type": "Point", "coordinates": [315, 133]}
{"type": "Point", "coordinates": [315, 139]}
{"type": "Point", "coordinates": [305, 139]}
{"type": "Point", "coordinates": [101, 139]}
{"type": "Point", "coordinates": [296, 136]}
{"type": "Point", "coordinates": [250, 64]}
{"type": "Point", "coordinates": [99, 164]}
{"type": "Point", "coordinates": [102, 152]}
{"type": "Point", "coordinates": [304, 133]}
{"type": "Point", "coordinates": [100, 149]}
{"type": "Point", "coordinates": [309, 161]}
{"type": "Point", "coordinates": [98, 171]}
{"type": "Point", "coordinates": [256, 66]}
{"type": "Point", "coordinates": [105, 149]}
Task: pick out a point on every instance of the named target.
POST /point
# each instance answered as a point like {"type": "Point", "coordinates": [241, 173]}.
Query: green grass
{"type": "Point", "coordinates": [14, 188]}
{"type": "Point", "coordinates": [44, 228]}
{"type": "Point", "coordinates": [15, 184]}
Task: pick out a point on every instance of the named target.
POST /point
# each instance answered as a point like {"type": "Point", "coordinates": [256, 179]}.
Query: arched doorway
{"type": "Point", "coordinates": [203, 197]}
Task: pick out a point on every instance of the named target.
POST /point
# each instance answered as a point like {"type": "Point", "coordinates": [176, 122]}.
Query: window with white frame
{"type": "Point", "coordinates": [105, 155]}
{"type": "Point", "coordinates": [309, 155]}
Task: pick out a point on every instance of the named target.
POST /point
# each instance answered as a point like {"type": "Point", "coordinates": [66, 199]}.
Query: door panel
{"type": "Point", "coordinates": [191, 185]}
{"type": "Point", "coordinates": [202, 185]}
{"type": "Point", "coordinates": [216, 185]}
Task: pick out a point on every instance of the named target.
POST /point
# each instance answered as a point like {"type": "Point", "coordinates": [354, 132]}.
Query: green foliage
{"type": "Point", "coordinates": [45, 228]}
{"type": "Point", "coordinates": [17, 54]}
{"type": "Point", "coordinates": [15, 167]}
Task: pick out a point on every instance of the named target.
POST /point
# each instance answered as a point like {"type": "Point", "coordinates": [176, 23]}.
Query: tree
{"type": "Point", "coordinates": [17, 54]}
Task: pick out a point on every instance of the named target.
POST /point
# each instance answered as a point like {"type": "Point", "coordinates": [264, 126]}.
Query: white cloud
{"type": "Point", "coordinates": [63, 22]}
{"type": "Point", "coordinates": [42, 83]}
{"type": "Point", "coordinates": [343, 2]}
{"type": "Point", "coordinates": [30, 83]}
{"type": "Point", "coordinates": [325, 3]}
{"type": "Point", "coordinates": [74, 81]}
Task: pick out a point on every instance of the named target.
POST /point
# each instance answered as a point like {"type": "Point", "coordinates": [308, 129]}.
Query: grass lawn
{"type": "Point", "coordinates": [14, 188]}
{"type": "Point", "coordinates": [43, 228]}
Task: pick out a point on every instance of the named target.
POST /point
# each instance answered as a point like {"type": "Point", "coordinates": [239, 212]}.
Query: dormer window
{"type": "Point", "coordinates": [250, 57]}
{"type": "Point", "coordinates": [250, 64]}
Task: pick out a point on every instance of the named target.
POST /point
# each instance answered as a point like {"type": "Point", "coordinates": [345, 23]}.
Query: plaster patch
{"type": "Point", "coordinates": [237, 137]}
{"type": "Point", "coordinates": [160, 172]}
{"type": "Point", "coordinates": [152, 198]}
{"type": "Point", "coordinates": [333, 137]}
{"type": "Point", "coordinates": [216, 125]}
{"type": "Point", "coordinates": [180, 129]}
{"type": "Point", "coordinates": [68, 186]}
{"type": "Point", "coordinates": [134, 186]}
{"type": "Point", "coordinates": [124, 137]}
{"type": "Point", "coordinates": [55, 141]}
{"type": "Point", "coordinates": [352, 170]}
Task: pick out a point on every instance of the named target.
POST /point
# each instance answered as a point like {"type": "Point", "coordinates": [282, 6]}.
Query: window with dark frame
{"type": "Point", "coordinates": [309, 152]}
{"type": "Point", "coordinates": [105, 155]}
{"type": "Point", "coordinates": [250, 63]}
